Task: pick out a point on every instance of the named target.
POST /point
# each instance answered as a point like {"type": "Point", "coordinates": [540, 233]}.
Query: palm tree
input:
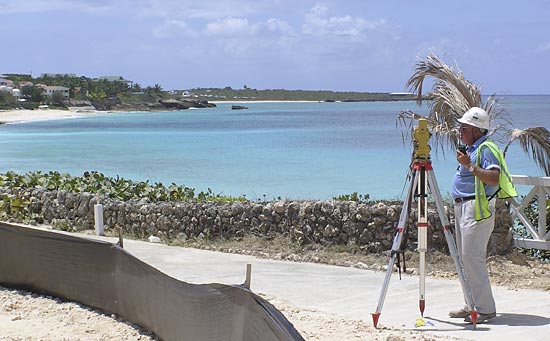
{"type": "Point", "coordinates": [451, 96]}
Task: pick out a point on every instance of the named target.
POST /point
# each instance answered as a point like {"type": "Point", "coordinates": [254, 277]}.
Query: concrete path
{"type": "Point", "coordinates": [353, 293]}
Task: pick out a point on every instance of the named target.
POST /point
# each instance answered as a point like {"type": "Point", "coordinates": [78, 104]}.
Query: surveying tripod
{"type": "Point", "coordinates": [423, 179]}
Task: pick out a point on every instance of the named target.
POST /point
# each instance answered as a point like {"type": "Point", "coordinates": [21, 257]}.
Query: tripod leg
{"type": "Point", "coordinates": [452, 248]}
{"type": "Point", "coordinates": [422, 224]}
{"type": "Point", "coordinates": [401, 227]}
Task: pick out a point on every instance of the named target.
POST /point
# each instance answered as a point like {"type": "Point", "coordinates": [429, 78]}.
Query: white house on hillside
{"type": "Point", "coordinates": [49, 90]}
{"type": "Point", "coordinates": [16, 93]}
{"type": "Point", "coordinates": [6, 82]}
{"type": "Point", "coordinates": [23, 84]}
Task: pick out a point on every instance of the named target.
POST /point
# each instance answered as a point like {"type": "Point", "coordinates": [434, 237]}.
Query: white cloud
{"type": "Point", "coordinates": [230, 27]}
{"type": "Point", "coordinates": [200, 10]}
{"type": "Point", "coordinates": [319, 23]}
{"type": "Point", "coordinates": [444, 47]}
{"type": "Point", "coordinates": [173, 28]}
{"type": "Point", "coordinates": [277, 25]}
{"type": "Point", "coordinates": [189, 9]}
{"type": "Point", "coordinates": [39, 6]}
{"type": "Point", "coordinates": [318, 10]}
{"type": "Point", "coordinates": [543, 47]}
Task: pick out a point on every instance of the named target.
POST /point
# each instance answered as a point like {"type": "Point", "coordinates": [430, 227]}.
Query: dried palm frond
{"type": "Point", "coordinates": [446, 77]}
{"type": "Point", "coordinates": [497, 114]}
{"type": "Point", "coordinates": [451, 96]}
{"type": "Point", "coordinates": [535, 142]}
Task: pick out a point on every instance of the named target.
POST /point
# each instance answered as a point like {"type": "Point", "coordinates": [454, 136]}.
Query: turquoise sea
{"type": "Point", "coordinates": [289, 150]}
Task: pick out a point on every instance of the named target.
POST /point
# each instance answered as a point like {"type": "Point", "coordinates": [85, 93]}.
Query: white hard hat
{"type": "Point", "coordinates": [475, 117]}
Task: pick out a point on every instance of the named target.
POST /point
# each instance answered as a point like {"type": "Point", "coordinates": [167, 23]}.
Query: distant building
{"type": "Point", "coordinates": [23, 84]}
{"type": "Point", "coordinates": [401, 94]}
{"type": "Point", "coordinates": [115, 79]}
{"type": "Point", "coordinates": [6, 82]}
{"type": "Point", "coordinates": [16, 93]}
{"type": "Point", "coordinates": [49, 90]}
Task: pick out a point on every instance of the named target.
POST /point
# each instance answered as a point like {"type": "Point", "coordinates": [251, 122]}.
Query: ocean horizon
{"type": "Point", "coordinates": [289, 150]}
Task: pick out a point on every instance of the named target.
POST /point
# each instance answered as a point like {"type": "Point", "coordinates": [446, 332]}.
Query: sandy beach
{"type": "Point", "coordinates": [19, 116]}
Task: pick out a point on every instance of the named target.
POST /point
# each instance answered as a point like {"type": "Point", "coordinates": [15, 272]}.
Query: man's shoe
{"type": "Point", "coordinates": [481, 318]}
{"type": "Point", "coordinates": [461, 313]}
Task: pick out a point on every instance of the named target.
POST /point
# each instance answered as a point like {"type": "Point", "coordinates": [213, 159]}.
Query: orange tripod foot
{"type": "Point", "coordinates": [473, 316]}
{"type": "Point", "coordinates": [375, 317]}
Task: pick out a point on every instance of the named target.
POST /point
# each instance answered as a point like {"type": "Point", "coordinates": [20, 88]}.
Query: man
{"type": "Point", "coordinates": [481, 176]}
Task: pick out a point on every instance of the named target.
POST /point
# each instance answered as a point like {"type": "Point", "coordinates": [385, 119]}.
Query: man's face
{"type": "Point", "coordinates": [467, 134]}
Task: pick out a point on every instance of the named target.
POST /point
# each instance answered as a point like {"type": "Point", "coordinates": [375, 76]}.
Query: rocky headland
{"type": "Point", "coordinates": [160, 105]}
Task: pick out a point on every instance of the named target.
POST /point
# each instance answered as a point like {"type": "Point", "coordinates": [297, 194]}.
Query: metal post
{"type": "Point", "coordinates": [248, 275]}
{"type": "Point", "coordinates": [120, 238]}
{"type": "Point", "coordinates": [98, 216]}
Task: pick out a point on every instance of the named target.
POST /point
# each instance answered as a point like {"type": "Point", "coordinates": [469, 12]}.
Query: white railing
{"type": "Point", "coordinates": [539, 238]}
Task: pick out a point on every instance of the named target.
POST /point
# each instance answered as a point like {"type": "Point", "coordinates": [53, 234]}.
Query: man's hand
{"type": "Point", "coordinates": [487, 176]}
{"type": "Point", "coordinates": [463, 159]}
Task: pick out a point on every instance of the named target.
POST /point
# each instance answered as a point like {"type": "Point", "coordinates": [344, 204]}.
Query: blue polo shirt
{"type": "Point", "coordinates": [464, 180]}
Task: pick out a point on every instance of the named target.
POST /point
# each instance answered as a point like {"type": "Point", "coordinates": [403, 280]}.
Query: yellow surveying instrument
{"type": "Point", "coordinates": [422, 182]}
{"type": "Point", "coordinates": [421, 135]}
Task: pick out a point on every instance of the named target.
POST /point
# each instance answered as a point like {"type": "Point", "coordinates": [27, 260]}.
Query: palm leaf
{"type": "Point", "coordinates": [452, 95]}
{"type": "Point", "coordinates": [535, 142]}
{"type": "Point", "coordinates": [446, 77]}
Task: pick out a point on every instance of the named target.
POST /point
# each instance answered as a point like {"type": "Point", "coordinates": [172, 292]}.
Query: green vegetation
{"type": "Point", "coordinates": [248, 94]}
{"type": "Point", "coordinates": [17, 207]}
{"type": "Point", "coordinates": [101, 93]}
{"type": "Point", "coordinates": [7, 101]}
{"type": "Point", "coordinates": [17, 203]}
{"type": "Point", "coordinates": [115, 188]}
{"type": "Point", "coordinates": [107, 92]}
{"type": "Point", "coordinates": [360, 198]}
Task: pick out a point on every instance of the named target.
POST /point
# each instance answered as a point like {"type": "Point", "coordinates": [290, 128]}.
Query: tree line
{"type": "Point", "coordinates": [95, 91]}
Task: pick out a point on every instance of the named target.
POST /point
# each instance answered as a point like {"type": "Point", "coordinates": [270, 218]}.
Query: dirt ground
{"type": "Point", "coordinates": [514, 270]}
{"type": "Point", "coordinates": [26, 316]}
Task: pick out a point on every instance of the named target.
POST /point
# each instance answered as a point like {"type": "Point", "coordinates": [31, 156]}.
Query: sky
{"type": "Point", "coordinates": [338, 45]}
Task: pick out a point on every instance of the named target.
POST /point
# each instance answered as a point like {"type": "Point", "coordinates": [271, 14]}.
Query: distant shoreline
{"type": "Point", "coordinates": [22, 116]}
{"type": "Point", "coordinates": [261, 101]}
{"type": "Point", "coordinates": [25, 115]}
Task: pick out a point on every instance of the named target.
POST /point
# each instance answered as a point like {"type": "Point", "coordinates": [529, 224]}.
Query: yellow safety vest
{"type": "Point", "coordinates": [505, 189]}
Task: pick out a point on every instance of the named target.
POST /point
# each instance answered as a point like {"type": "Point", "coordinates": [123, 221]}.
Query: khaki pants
{"type": "Point", "coordinates": [472, 238]}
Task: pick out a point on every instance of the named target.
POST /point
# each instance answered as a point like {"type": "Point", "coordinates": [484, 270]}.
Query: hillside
{"type": "Point", "coordinates": [248, 94]}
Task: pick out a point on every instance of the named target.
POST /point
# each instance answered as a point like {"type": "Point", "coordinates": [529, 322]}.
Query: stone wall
{"type": "Point", "coordinates": [371, 226]}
